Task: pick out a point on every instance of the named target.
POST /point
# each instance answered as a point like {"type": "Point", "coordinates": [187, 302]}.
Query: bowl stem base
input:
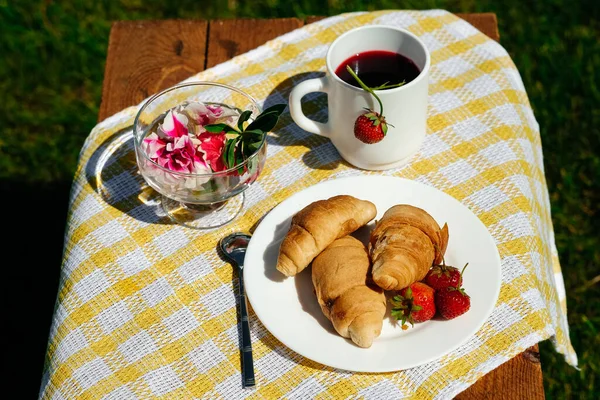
{"type": "Point", "coordinates": [203, 216]}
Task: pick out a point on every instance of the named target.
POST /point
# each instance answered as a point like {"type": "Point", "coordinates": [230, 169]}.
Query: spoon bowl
{"type": "Point", "coordinates": [234, 247]}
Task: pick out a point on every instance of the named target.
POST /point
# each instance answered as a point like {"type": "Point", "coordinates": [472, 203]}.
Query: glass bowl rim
{"type": "Point", "coordinates": [191, 174]}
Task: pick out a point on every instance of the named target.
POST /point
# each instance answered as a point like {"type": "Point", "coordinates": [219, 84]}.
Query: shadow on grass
{"type": "Point", "coordinates": [34, 218]}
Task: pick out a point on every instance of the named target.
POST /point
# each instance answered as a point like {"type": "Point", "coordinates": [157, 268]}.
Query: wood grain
{"type": "Point", "coordinates": [145, 57]}
{"type": "Point", "coordinates": [231, 37]}
{"type": "Point", "coordinates": [485, 22]}
{"type": "Point", "coordinates": [518, 378]}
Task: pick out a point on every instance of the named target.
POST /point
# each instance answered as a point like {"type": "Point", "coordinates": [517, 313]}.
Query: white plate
{"type": "Point", "coordinates": [288, 307]}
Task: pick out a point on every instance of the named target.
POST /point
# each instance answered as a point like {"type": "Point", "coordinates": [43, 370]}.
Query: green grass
{"type": "Point", "coordinates": [51, 76]}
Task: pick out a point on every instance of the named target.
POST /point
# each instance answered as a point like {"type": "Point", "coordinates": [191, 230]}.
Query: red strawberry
{"type": "Point", "coordinates": [452, 301]}
{"type": "Point", "coordinates": [415, 303]}
{"type": "Point", "coordinates": [370, 127]}
{"type": "Point", "coordinates": [442, 276]}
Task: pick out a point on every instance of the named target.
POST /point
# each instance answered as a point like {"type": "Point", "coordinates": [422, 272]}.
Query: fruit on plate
{"type": "Point", "coordinates": [317, 225]}
{"type": "Point", "coordinates": [452, 301]}
{"type": "Point", "coordinates": [354, 305]}
{"type": "Point", "coordinates": [442, 276]}
{"type": "Point", "coordinates": [415, 303]}
{"type": "Point", "coordinates": [404, 245]}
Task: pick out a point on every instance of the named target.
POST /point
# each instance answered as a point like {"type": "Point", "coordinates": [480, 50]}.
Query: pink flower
{"type": "Point", "coordinates": [179, 155]}
{"type": "Point", "coordinates": [155, 146]}
{"type": "Point", "coordinates": [212, 145]}
{"type": "Point", "coordinates": [203, 114]}
{"type": "Point", "coordinates": [217, 111]}
{"type": "Point", "coordinates": [175, 125]}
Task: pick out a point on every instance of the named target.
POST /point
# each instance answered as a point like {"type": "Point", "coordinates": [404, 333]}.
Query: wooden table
{"type": "Point", "coordinates": [145, 57]}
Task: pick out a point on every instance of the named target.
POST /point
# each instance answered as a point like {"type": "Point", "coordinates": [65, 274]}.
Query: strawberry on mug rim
{"type": "Point", "coordinates": [371, 127]}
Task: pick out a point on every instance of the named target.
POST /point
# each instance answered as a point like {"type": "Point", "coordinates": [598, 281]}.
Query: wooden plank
{"type": "Point", "coordinates": [485, 22]}
{"type": "Point", "coordinates": [314, 18]}
{"type": "Point", "coordinates": [145, 57]}
{"type": "Point", "coordinates": [167, 52]}
{"type": "Point", "coordinates": [231, 37]}
{"type": "Point", "coordinates": [519, 378]}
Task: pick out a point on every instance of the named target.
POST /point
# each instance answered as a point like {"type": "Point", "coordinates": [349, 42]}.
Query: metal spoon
{"type": "Point", "coordinates": [234, 248]}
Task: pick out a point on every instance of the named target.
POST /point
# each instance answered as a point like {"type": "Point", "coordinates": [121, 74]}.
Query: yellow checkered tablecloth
{"type": "Point", "coordinates": [147, 309]}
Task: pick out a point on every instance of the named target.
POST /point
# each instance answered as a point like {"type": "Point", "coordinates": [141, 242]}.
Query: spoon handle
{"type": "Point", "coordinates": [247, 361]}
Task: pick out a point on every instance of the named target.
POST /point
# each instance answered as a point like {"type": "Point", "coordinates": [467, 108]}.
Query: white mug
{"type": "Point", "coordinates": [405, 107]}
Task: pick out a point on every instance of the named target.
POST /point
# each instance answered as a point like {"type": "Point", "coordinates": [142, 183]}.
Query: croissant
{"type": "Point", "coordinates": [404, 245]}
{"type": "Point", "coordinates": [346, 293]}
{"type": "Point", "coordinates": [317, 226]}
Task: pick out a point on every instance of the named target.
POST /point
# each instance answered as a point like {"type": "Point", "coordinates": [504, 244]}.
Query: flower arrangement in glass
{"type": "Point", "coordinates": [201, 145]}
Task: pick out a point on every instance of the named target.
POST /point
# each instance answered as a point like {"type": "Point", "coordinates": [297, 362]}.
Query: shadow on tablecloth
{"type": "Point", "coordinates": [113, 173]}
{"type": "Point", "coordinates": [321, 153]}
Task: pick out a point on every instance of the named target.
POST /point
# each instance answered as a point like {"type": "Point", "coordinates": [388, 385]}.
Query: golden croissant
{"type": "Point", "coordinates": [346, 293]}
{"type": "Point", "coordinates": [316, 226]}
{"type": "Point", "coordinates": [404, 245]}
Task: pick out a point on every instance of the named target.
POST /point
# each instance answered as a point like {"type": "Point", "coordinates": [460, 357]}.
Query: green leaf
{"type": "Point", "coordinates": [276, 108]}
{"type": "Point", "coordinates": [253, 148]}
{"type": "Point", "coordinates": [218, 128]}
{"type": "Point", "coordinates": [266, 115]}
{"type": "Point", "coordinates": [248, 141]}
{"type": "Point", "coordinates": [384, 128]}
{"type": "Point", "coordinates": [239, 158]}
{"type": "Point", "coordinates": [229, 152]}
{"type": "Point", "coordinates": [255, 134]}
{"type": "Point", "coordinates": [243, 118]}
{"type": "Point", "coordinates": [244, 147]}
{"type": "Point", "coordinates": [267, 119]}
{"type": "Point", "coordinates": [250, 147]}
{"type": "Point", "coordinates": [397, 314]}
{"type": "Point", "coordinates": [251, 141]}
{"type": "Point", "coordinates": [264, 123]}
{"type": "Point", "coordinates": [225, 152]}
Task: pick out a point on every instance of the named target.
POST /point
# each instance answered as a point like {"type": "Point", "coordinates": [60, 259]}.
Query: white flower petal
{"type": "Point", "coordinates": [168, 124]}
{"type": "Point", "coordinates": [179, 143]}
{"type": "Point", "coordinates": [195, 109]}
{"type": "Point", "coordinates": [181, 118]}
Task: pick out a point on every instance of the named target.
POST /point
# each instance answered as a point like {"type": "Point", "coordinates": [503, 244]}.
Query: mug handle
{"type": "Point", "coordinates": [301, 90]}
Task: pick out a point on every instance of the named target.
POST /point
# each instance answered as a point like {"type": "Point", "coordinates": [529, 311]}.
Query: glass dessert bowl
{"type": "Point", "coordinates": [191, 146]}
